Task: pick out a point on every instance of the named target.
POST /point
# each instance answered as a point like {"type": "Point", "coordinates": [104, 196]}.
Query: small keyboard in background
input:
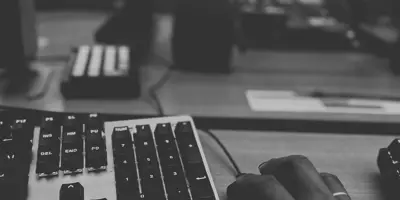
{"type": "Point", "coordinates": [75, 156]}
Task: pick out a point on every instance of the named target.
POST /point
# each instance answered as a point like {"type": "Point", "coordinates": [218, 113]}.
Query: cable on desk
{"type": "Point", "coordinates": [153, 91]}
{"type": "Point", "coordinates": [222, 146]}
{"type": "Point", "coordinates": [46, 88]}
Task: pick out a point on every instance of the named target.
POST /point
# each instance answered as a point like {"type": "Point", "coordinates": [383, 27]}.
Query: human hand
{"type": "Point", "coordinates": [287, 178]}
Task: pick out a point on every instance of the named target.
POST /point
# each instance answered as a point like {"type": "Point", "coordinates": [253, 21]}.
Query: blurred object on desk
{"type": "Point", "coordinates": [131, 25]}
{"type": "Point", "coordinates": [203, 35]}
{"type": "Point", "coordinates": [18, 44]}
{"type": "Point", "coordinates": [296, 25]}
{"type": "Point", "coordinates": [102, 71]}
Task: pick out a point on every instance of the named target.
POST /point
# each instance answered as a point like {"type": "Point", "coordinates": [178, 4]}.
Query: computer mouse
{"type": "Point", "coordinates": [258, 187]}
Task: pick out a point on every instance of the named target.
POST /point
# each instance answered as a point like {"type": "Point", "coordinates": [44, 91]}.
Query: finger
{"type": "Point", "coordinates": [298, 175]}
{"type": "Point", "coordinates": [258, 187]}
{"type": "Point", "coordinates": [335, 186]}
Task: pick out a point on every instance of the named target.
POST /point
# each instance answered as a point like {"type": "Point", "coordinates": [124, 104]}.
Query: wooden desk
{"type": "Point", "coordinates": [351, 157]}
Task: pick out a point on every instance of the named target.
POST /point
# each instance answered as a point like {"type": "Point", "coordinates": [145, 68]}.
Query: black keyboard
{"type": "Point", "coordinates": [68, 156]}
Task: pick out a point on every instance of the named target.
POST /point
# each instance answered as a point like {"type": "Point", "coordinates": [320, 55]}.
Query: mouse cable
{"type": "Point", "coordinates": [50, 76]}
{"type": "Point", "coordinates": [225, 150]}
{"type": "Point", "coordinates": [153, 95]}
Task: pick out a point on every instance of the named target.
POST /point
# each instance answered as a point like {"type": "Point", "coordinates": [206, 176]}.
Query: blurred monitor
{"type": "Point", "coordinates": [19, 37]}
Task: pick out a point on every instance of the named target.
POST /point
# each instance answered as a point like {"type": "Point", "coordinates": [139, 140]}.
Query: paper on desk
{"type": "Point", "coordinates": [282, 101]}
{"type": "Point", "coordinates": [289, 101]}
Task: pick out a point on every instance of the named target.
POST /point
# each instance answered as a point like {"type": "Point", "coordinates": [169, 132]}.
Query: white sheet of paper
{"type": "Point", "coordinates": [288, 101]}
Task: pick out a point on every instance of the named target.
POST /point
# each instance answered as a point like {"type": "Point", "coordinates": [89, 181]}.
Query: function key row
{"type": "Point", "coordinates": [70, 138]}
{"type": "Point", "coordinates": [160, 164]}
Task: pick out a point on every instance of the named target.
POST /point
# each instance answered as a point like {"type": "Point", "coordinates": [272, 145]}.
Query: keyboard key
{"type": "Point", "coordinates": [152, 188]}
{"type": "Point", "coordinates": [126, 154]}
{"type": "Point", "coordinates": [95, 137]}
{"type": "Point", "coordinates": [177, 191]}
{"type": "Point", "coordinates": [163, 129]}
{"type": "Point", "coordinates": [143, 133]}
{"type": "Point", "coordinates": [144, 144]}
{"type": "Point", "coordinates": [184, 133]}
{"type": "Point", "coordinates": [126, 163]}
{"type": "Point", "coordinates": [148, 161]}
{"type": "Point", "coordinates": [124, 176]}
{"type": "Point", "coordinates": [96, 158]}
{"type": "Point", "coordinates": [127, 187]}
{"type": "Point", "coordinates": [48, 123]}
{"type": "Point", "coordinates": [174, 174]}
{"type": "Point", "coordinates": [94, 122]}
{"type": "Point", "coordinates": [198, 180]}
{"type": "Point", "coordinates": [165, 144]}
{"type": "Point", "coordinates": [8, 163]}
{"type": "Point", "coordinates": [163, 132]}
{"type": "Point", "coordinates": [196, 171]}
{"type": "Point", "coordinates": [149, 173]}
{"type": "Point", "coordinates": [47, 160]}
{"type": "Point", "coordinates": [145, 149]}
{"type": "Point", "coordinates": [48, 138]}
{"type": "Point", "coordinates": [22, 132]}
{"type": "Point", "coordinates": [72, 191]}
{"type": "Point", "coordinates": [190, 153]}
{"type": "Point", "coordinates": [72, 137]}
{"type": "Point", "coordinates": [121, 140]}
{"type": "Point", "coordinates": [169, 157]}
{"type": "Point", "coordinates": [184, 127]}
{"type": "Point", "coordinates": [71, 158]}
{"type": "Point", "coordinates": [71, 124]}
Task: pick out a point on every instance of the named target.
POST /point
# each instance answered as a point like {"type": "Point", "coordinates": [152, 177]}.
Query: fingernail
{"type": "Point", "coordinates": [262, 165]}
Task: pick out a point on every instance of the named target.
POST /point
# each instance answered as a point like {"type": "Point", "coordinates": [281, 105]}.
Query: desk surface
{"type": "Point", "coordinates": [351, 157]}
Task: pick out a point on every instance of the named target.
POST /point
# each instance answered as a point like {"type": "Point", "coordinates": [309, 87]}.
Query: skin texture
{"type": "Point", "coordinates": [287, 178]}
